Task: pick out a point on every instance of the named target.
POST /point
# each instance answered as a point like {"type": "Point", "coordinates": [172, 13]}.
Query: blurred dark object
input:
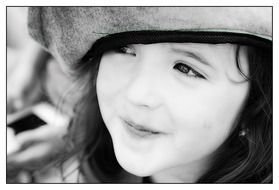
{"type": "Point", "coordinates": [27, 123]}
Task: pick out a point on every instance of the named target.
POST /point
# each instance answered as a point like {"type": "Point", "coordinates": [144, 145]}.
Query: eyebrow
{"type": "Point", "coordinates": [193, 55]}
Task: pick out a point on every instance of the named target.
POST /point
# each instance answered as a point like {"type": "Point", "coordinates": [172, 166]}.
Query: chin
{"type": "Point", "coordinates": [133, 166]}
{"type": "Point", "coordinates": [138, 171]}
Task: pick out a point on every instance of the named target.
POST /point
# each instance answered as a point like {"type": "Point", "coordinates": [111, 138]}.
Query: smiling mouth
{"type": "Point", "coordinates": [139, 130]}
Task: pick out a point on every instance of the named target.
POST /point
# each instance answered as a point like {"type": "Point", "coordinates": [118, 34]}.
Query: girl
{"type": "Point", "coordinates": [169, 94]}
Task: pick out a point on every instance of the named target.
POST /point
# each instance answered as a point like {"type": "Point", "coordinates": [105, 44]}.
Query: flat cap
{"type": "Point", "coordinates": [68, 33]}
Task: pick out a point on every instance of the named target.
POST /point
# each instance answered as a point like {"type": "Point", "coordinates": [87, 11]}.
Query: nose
{"type": "Point", "coordinates": [143, 90]}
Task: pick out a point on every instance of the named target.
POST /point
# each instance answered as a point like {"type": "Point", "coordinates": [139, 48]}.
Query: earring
{"type": "Point", "coordinates": [243, 132]}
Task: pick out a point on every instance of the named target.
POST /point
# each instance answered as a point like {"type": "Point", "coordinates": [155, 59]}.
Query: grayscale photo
{"type": "Point", "coordinates": [136, 95]}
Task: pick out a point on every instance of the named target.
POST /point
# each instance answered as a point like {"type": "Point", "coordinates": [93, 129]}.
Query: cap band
{"type": "Point", "coordinates": [147, 37]}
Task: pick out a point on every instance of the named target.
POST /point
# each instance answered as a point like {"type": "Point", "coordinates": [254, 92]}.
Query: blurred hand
{"type": "Point", "coordinates": [24, 73]}
{"type": "Point", "coordinates": [38, 148]}
{"type": "Point", "coordinates": [22, 86]}
{"type": "Point", "coordinates": [24, 61]}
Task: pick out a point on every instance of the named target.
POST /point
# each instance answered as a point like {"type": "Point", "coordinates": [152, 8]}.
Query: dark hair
{"type": "Point", "coordinates": [239, 159]}
{"type": "Point", "coordinates": [249, 159]}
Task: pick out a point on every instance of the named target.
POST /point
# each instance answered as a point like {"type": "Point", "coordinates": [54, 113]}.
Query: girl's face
{"type": "Point", "coordinates": [170, 105]}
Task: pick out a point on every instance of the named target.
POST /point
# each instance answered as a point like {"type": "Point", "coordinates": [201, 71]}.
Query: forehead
{"type": "Point", "coordinates": [195, 46]}
{"type": "Point", "coordinates": [201, 51]}
{"type": "Point", "coordinates": [221, 58]}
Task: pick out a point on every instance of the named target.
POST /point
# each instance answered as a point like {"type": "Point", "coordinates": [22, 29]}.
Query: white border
{"type": "Point", "coordinates": [5, 3]}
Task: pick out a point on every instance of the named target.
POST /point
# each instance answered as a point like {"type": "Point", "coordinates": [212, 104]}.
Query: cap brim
{"type": "Point", "coordinates": [147, 37]}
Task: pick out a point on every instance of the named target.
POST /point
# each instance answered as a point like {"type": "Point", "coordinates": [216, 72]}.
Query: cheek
{"type": "Point", "coordinates": [205, 118]}
{"type": "Point", "coordinates": [112, 77]}
{"type": "Point", "coordinates": [106, 91]}
{"type": "Point", "coordinates": [111, 82]}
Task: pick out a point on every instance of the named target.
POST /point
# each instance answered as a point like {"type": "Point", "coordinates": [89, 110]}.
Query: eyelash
{"type": "Point", "coordinates": [185, 69]}
{"type": "Point", "coordinates": [125, 50]}
{"type": "Point", "coordinates": [178, 66]}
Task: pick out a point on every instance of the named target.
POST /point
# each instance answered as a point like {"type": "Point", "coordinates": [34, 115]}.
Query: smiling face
{"type": "Point", "coordinates": [170, 105]}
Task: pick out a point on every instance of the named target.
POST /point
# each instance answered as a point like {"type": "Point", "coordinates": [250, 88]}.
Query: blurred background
{"type": "Point", "coordinates": [38, 109]}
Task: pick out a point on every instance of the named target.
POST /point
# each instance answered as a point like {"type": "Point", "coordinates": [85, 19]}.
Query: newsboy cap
{"type": "Point", "coordinates": [72, 34]}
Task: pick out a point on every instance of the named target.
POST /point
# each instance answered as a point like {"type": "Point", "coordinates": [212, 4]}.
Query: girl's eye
{"type": "Point", "coordinates": [188, 71]}
{"type": "Point", "coordinates": [126, 50]}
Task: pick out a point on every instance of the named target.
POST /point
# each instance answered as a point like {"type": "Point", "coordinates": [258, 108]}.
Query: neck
{"type": "Point", "coordinates": [189, 173]}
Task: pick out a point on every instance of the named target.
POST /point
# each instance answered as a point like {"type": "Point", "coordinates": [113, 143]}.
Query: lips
{"type": "Point", "coordinates": [140, 130]}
